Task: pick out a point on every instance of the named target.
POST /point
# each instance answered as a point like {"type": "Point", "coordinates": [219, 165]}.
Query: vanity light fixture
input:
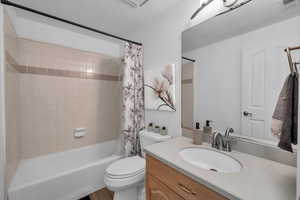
{"type": "Point", "coordinates": [226, 3]}
{"type": "Point", "coordinates": [235, 7]}
{"type": "Point", "coordinates": [229, 3]}
{"type": "Point", "coordinates": [136, 3]}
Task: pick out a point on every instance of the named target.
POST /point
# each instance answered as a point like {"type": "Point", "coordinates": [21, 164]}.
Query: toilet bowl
{"type": "Point", "coordinates": [126, 176]}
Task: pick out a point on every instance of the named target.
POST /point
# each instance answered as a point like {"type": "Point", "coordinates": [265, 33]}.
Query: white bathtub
{"type": "Point", "coordinates": [68, 175]}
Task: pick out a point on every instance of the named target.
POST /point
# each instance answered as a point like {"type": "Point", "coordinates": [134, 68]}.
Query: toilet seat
{"type": "Point", "coordinates": [125, 172]}
{"type": "Point", "coordinates": [127, 167]}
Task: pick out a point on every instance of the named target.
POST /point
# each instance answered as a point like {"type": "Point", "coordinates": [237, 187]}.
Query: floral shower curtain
{"type": "Point", "coordinates": [133, 101]}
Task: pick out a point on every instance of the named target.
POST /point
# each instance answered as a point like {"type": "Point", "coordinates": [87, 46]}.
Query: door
{"type": "Point", "coordinates": [253, 92]}
{"type": "Point", "coordinates": [264, 69]}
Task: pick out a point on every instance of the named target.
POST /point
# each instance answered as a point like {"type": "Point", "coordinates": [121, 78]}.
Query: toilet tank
{"type": "Point", "coordinates": [148, 138]}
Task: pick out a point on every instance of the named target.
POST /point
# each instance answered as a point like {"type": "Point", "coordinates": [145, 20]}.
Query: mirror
{"type": "Point", "coordinates": [240, 67]}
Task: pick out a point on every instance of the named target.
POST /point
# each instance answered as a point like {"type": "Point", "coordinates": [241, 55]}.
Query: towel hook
{"type": "Point", "coordinates": [291, 64]}
{"type": "Point", "coordinates": [295, 66]}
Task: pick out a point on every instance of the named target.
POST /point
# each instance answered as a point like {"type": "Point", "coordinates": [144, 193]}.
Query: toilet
{"type": "Point", "coordinates": [126, 176]}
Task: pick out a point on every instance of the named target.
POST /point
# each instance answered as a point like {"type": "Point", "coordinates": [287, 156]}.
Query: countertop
{"type": "Point", "coordinates": [259, 179]}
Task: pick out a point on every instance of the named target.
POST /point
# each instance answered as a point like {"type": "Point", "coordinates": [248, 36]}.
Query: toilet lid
{"type": "Point", "coordinates": [126, 167]}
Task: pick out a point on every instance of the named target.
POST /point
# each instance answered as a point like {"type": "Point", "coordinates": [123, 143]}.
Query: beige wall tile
{"type": "Point", "coordinates": [12, 122]}
{"type": "Point", "coordinates": [51, 107]}
{"type": "Point", "coordinates": [12, 100]}
{"type": "Point", "coordinates": [10, 37]}
{"type": "Point", "coordinates": [58, 105]}
{"type": "Point", "coordinates": [187, 133]}
{"type": "Point", "coordinates": [187, 95]}
{"type": "Point", "coordinates": [46, 55]}
{"type": "Point", "coordinates": [187, 105]}
{"type": "Point", "coordinates": [187, 71]}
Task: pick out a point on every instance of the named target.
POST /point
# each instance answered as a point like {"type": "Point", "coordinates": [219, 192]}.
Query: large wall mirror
{"type": "Point", "coordinates": [240, 67]}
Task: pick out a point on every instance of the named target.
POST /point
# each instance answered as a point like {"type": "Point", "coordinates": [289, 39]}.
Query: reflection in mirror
{"type": "Point", "coordinates": [187, 96]}
{"type": "Point", "coordinates": [240, 68]}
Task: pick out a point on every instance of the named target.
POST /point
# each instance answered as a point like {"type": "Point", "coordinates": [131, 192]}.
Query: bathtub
{"type": "Point", "coordinates": [69, 175]}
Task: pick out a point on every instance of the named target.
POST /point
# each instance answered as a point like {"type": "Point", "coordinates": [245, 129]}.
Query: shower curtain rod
{"type": "Point", "coordinates": [292, 48]}
{"type": "Point", "coordinates": [189, 59]}
{"type": "Point", "coordinates": [9, 3]}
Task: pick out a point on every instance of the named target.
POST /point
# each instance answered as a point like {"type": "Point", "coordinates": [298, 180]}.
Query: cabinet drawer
{"type": "Point", "coordinates": [158, 191]}
{"type": "Point", "coordinates": [179, 183]}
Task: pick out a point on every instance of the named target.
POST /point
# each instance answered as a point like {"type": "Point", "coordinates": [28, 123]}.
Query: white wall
{"type": "Point", "coordinates": [55, 35]}
{"type": "Point", "coordinates": [161, 40]}
{"type": "Point", "coordinates": [2, 111]}
{"type": "Point", "coordinates": [218, 71]}
{"type": "Point", "coordinates": [162, 44]}
{"type": "Point", "coordinates": [217, 84]}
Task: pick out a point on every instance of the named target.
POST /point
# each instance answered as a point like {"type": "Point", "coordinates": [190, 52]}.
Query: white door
{"type": "Point", "coordinates": [253, 92]}
{"type": "Point", "coordinates": [264, 69]}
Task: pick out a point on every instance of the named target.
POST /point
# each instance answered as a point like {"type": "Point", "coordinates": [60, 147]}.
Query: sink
{"type": "Point", "coordinates": [211, 160]}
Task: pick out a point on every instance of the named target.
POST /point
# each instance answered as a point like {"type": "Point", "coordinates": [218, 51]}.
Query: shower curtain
{"type": "Point", "coordinates": [133, 105]}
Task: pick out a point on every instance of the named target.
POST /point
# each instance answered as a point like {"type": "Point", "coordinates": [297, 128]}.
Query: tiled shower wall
{"type": "Point", "coordinates": [187, 96]}
{"type": "Point", "coordinates": [12, 100]}
{"type": "Point", "coordinates": [62, 89]}
{"type": "Point", "coordinates": [51, 90]}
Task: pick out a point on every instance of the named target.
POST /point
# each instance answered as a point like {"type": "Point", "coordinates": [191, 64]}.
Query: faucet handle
{"type": "Point", "coordinates": [228, 131]}
{"type": "Point", "coordinates": [212, 138]}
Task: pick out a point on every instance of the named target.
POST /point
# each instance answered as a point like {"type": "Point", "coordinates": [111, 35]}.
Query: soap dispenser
{"type": "Point", "coordinates": [207, 129]}
{"type": "Point", "coordinates": [197, 135]}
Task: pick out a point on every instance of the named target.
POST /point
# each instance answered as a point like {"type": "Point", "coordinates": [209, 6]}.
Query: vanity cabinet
{"type": "Point", "coordinates": [166, 183]}
{"type": "Point", "coordinates": [158, 191]}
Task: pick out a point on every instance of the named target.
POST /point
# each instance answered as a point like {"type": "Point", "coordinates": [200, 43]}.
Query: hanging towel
{"type": "Point", "coordinates": [295, 109]}
{"type": "Point", "coordinates": [285, 117]}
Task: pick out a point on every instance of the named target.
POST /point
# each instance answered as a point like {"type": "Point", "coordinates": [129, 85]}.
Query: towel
{"type": "Point", "coordinates": [285, 117]}
{"type": "Point", "coordinates": [295, 109]}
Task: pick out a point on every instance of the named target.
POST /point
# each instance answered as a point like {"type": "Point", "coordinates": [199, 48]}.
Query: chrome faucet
{"type": "Point", "coordinates": [217, 141]}
{"type": "Point", "coordinates": [227, 140]}
{"type": "Point", "coordinates": [222, 142]}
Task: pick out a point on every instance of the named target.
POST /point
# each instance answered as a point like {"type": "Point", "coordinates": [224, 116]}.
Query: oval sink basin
{"type": "Point", "coordinates": [211, 160]}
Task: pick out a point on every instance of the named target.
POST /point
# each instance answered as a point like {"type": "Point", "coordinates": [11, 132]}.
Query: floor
{"type": "Point", "coordinates": [103, 194]}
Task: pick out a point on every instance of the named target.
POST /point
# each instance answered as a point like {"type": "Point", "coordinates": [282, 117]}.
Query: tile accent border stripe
{"type": "Point", "coordinates": [58, 72]}
{"type": "Point", "coordinates": [187, 81]}
{"type": "Point", "coordinates": [187, 128]}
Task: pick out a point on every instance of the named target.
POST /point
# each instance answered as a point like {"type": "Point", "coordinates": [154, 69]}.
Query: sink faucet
{"type": "Point", "coordinates": [217, 141]}
{"type": "Point", "coordinates": [222, 142]}
{"type": "Point", "coordinates": [227, 140]}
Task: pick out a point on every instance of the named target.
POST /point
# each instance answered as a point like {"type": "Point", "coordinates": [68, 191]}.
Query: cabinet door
{"type": "Point", "coordinates": [158, 191]}
{"type": "Point", "coordinates": [182, 185]}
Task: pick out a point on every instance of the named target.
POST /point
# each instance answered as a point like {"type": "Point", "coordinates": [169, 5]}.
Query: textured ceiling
{"type": "Point", "coordinates": [257, 14]}
{"type": "Point", "coordinates": [113, 16]}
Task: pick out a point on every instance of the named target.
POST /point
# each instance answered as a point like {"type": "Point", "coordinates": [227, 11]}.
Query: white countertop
{"type": "Point", "coordinates": [260, 179]}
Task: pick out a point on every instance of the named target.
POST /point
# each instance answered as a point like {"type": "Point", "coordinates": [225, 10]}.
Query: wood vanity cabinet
{"type": "Point", "coordinates": [166, 183]}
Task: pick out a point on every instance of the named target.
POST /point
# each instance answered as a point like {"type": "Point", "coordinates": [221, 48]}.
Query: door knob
{"type": "Point", "coordinates": [247, 114]}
